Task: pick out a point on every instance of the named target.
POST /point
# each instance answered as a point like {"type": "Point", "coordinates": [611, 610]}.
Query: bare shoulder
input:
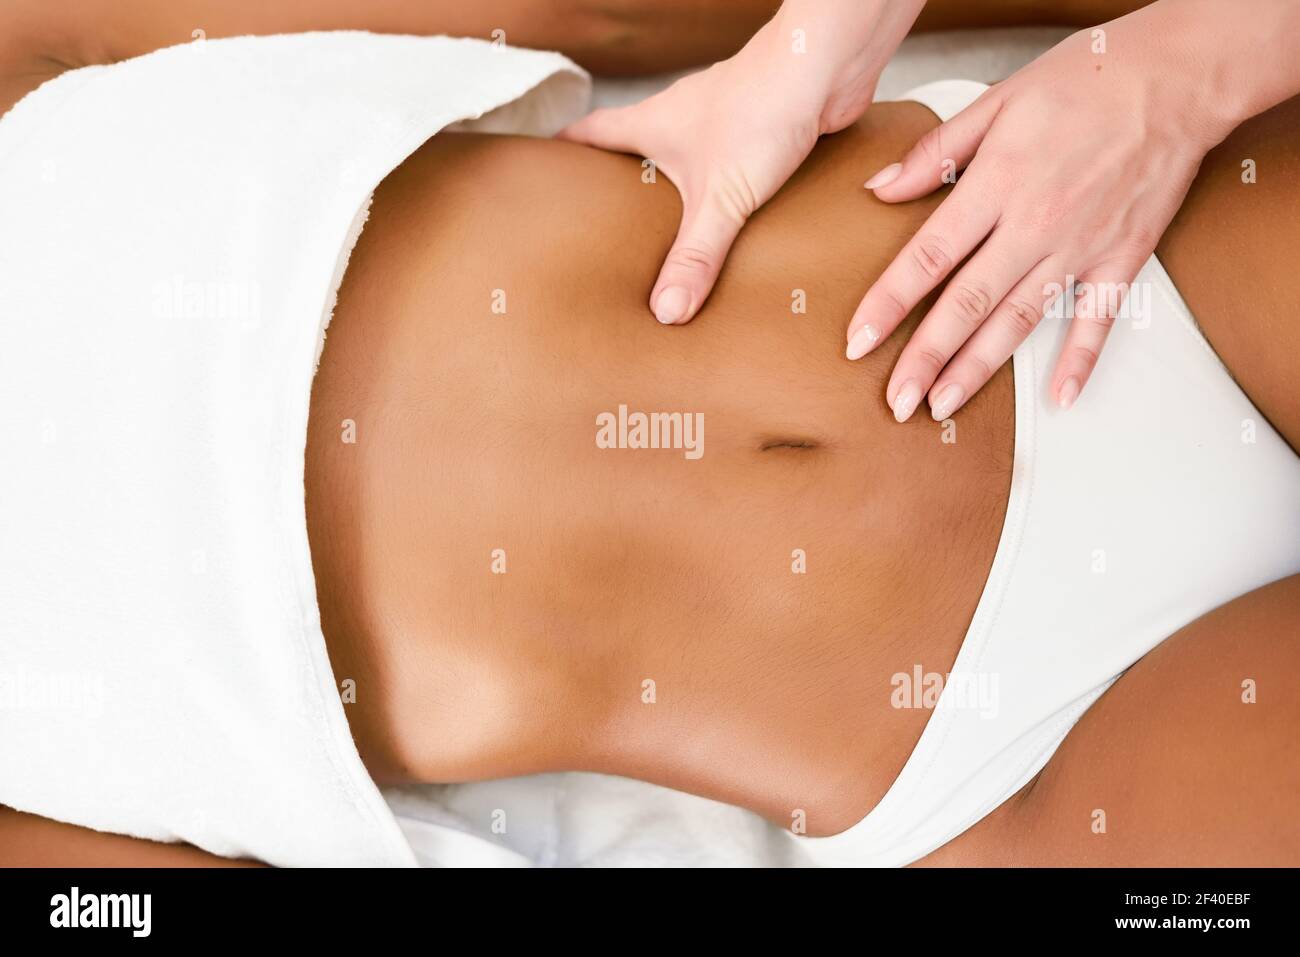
{"type": "Point", "coordinates": [1192, 758]}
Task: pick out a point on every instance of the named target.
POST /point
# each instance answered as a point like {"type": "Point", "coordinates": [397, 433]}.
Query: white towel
{"type": "Point", "coordinates": [173, 233]}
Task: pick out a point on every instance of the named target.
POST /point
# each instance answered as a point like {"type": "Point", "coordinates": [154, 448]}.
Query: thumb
{"type": "Point", "coordinates": [693, 263]}
{"type": "Point", "coordinates": [607, 129]}
{"type": "Point", "coordinates": [938, 155]}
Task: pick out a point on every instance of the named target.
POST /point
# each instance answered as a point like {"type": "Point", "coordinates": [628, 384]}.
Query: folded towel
{"type": "Point", "coordinates": [174, 232]}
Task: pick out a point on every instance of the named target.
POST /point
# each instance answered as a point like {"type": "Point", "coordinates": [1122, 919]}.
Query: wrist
{"type": "Point", "coordinates": [831, 52]}
{"type": "Point", "coordinates": [1237, 60]}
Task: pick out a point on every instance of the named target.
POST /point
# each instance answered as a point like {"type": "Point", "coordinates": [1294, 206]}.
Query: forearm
{"type": "Point", "coordinates": [829, 53]}
{"type": "Point", "coordinates": [848, 41]}
{"type": "Point", "coordinates": [605, 36]}
{"type": "Point", "coordinates": [1238, 59]}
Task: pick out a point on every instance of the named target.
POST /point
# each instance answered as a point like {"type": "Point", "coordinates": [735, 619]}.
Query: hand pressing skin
{"type": "Point", "coordinates": [1074, 167]}
{"type": "Point", "coordinates": [730, 137]}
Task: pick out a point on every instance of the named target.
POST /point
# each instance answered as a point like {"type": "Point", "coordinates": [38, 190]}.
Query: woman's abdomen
{"type": "Point", "coordinates": [518, 584]}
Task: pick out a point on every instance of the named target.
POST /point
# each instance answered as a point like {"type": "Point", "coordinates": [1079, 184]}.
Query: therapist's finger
{"type": "Point", "coordinates": [1095, 307]}
{"type": "Point", "coordinates": [966, 302]}
{"type": "Point", "coordinates": [952, 231]}
{"type": "Point", "coordinates": [1011, 322]}
{"type": "Point", "coordinates": [708, 229]}
{"type": "Point", "coordinates": [937, 156]}
{"type": "Point", "coordinates": [615, 129]}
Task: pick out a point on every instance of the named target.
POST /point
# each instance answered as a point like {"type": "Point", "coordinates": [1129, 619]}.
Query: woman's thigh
{"type": "Point", "coordinates": [1192, 757]}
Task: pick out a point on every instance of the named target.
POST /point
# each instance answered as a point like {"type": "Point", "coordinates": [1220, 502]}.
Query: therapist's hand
{"type": "Point", "coordinates": [1077, 164]}
{"type": "Point", "coordinates": [730, 137]}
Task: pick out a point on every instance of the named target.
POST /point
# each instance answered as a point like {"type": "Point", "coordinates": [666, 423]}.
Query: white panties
{"type": "Point", "coordinates": [175, 229]}
{"type": "Point", "coordinates": [1162, 494]}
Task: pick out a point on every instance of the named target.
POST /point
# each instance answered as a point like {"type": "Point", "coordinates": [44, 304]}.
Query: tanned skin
{"type": "Point", "coordinates": [772, 687]}
{"type": "Point", "coordinates": [573, 236]}
{"type": "Point", "coordinates": [41, 38]}
{"type": "Point", "coordinates": [477, 432]}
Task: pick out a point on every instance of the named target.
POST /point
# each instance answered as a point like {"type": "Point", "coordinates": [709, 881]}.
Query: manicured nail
{"type": "Point", "coordinates": [672, 304]}
{"type": "Point", "coordinates": [863, 341]}
{"type": "Point", "coordinates": [1069, 392]}
{"type": "Point", "coordinates": [947, 402]}
{"type": "Point", "coordinates": [906, 399]}
{"type": "Point", "coordinates": [884, 177]}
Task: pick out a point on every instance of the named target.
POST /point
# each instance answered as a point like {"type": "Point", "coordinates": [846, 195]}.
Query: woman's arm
{"type": "Point", "coordinates": [615, 37]}
{"type": "Point", "coordinates": [30, 841]}
{"type": "Point", "coordinates": [605, 36]}
{"type": "Point", "coordinates": [28, 38]}
{"type": "Point", "coordinates": [965, 15]}
{"type": "Point", "coordinates": [41, 38]}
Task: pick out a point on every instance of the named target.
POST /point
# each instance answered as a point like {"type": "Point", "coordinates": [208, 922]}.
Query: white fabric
{"type": "Point", "coordinates": [153, 554]}
{"type": "Point", "coordinates": [576, 819]}
{"type": "Point", "coordinates": [1161, 495]}
{"type": "Point", "coordinates": [1149, 467]}
{"type": "Point", "coordinates": [173, 232]}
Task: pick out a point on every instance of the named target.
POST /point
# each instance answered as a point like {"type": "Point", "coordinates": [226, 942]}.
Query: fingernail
{"type": "Point", "coordinates": [949, 398]}
{"type": "Point", "coordinates": [863, 341]}
{"type": "Point", "coordinates": [906, 399]}
{"type": "Point", "coordinates": [1069, 392]}
{"type": "Point", "coordinates": [884, 177]}
{"type": "Point", "coordinates": [672, 304]}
